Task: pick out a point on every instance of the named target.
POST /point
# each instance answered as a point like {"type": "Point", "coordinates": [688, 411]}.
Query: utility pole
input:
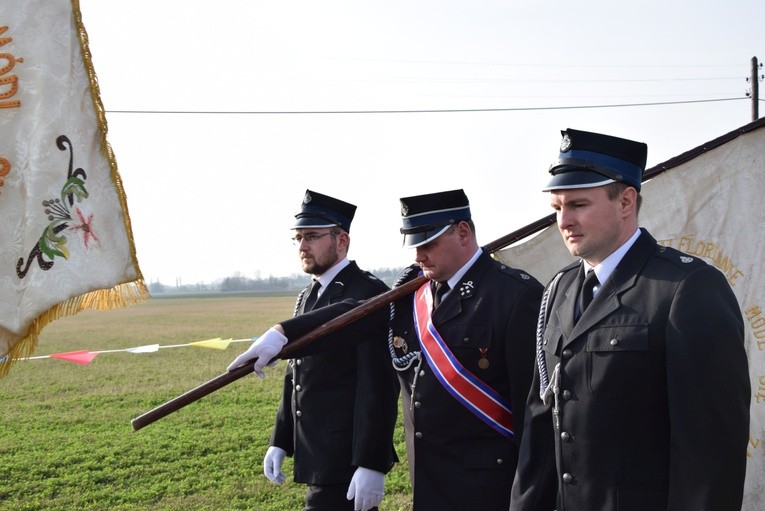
{"type": "Point", "coordinates": [755, 95]}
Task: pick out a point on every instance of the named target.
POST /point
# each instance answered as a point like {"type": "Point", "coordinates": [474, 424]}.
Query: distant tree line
{"type": "Point", "coordinates": [238, 283]}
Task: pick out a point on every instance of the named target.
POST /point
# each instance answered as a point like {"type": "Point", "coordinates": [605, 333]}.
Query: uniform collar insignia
{"type": "Point", "coordinates": [466, 289]}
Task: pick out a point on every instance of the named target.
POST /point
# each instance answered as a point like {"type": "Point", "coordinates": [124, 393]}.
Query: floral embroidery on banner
{"type": "Point", "coordinates": [52, 242]}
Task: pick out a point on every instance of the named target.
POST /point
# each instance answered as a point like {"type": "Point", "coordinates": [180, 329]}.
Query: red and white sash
{"type": "Point", "coordinates": [483, 401]}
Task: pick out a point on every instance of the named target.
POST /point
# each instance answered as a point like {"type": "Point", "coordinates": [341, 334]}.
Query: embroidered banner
{"type": "Point", "coordinates": [707, 204]}
{"type": "Point", "coordinates": [464, 386]}
{"type": "Point", "coordinates": [65, 239]}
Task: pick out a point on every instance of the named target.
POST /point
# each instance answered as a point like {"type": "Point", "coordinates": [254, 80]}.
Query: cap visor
{"type": "Point", "coordinates": [311, 222]}
{"type": "Point", "coordinates": [576, 179]}
{"type": "Point", "coordinates": [418, 239]}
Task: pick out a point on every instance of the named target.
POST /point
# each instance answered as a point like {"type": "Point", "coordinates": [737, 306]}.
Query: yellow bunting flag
{"type": "Point", "coordinates": [66, 243]}
{"type": "Point", "coordinates": [216, 344]}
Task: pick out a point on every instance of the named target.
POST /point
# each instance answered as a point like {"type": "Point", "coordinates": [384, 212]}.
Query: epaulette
{"type": "Point", "coordinates": [370, 276]}
{"type": "Point", "coordinates": [680, 259]}
{"type": "Point", "coordinates": [517, 274]}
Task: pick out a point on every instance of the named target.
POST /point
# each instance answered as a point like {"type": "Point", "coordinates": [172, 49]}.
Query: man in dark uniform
{"type": "Point", "coordinates": [465, 357]}
{"type": "Point", "coordinates": [338, 409]}
{"type": "Point", "coordinates": [641, 394]}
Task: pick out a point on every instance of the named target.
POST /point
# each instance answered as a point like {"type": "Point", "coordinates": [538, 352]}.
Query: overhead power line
{"type": "Point", "coordinates": [521, 65]}
{"type": "Point", "coordinates": [413, 111]}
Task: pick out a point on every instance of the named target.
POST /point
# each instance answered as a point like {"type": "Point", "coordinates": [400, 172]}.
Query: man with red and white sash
{"type": "Point", "coordinates": [465, 363]}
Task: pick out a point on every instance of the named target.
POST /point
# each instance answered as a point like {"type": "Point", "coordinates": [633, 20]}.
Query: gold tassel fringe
{"type": "Point", "coordinates": [122, 295]}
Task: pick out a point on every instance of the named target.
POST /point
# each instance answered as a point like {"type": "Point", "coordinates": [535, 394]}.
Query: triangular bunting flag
{"type": "Point", "coordinates": [216, 344]}
{"type": "Point", "coordinates": [149, 348]}
{"type": "Point", "coordinates": [83, 357]}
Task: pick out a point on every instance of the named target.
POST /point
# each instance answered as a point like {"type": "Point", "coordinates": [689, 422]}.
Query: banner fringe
{"type": "Point", "coordinates": [122, 295]}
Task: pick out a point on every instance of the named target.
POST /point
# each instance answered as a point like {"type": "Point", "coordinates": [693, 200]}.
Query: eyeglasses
{"type": "Point", "coordinates": [310, 238]}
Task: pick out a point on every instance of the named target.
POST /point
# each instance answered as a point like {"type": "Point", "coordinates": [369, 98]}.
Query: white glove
{"type": "Point", "coordinates": [272, 464]}
{"type": "Point", "coordinates": [265, 347]}
{"type": "Point", "coordinates": [366, 489]}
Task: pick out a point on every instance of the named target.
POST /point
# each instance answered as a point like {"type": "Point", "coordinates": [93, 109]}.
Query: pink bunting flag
{"type": "Point", "coordinates": [83, 357]}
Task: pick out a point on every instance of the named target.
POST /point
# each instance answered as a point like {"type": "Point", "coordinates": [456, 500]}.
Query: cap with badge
{"type": "Point", "coordinates": [587, 160]}
{"type": "Point", "coordinates": [320, 211]}
{"type": "Point", "coordinates": [426, 217]}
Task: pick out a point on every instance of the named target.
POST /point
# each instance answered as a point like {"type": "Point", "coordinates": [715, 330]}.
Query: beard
{"type": "Point", "coordinates": [318, 264]}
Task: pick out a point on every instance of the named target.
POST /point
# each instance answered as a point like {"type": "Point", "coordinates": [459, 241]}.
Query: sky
{"type": "Point", "coordinates": [222, 114]}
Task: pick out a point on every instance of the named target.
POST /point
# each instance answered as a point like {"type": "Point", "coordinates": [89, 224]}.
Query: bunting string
{"type": "Point", "coordinates": [84, 357]}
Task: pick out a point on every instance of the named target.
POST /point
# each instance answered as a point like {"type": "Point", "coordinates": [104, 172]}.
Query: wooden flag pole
{"type": "Point", "coordinates": [224, 379]}
{"type": "Point", "coordinates": [356, 313]}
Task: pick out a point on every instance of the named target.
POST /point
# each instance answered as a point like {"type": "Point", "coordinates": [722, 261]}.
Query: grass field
{"type": "Point", "coordinates": [66, 442]}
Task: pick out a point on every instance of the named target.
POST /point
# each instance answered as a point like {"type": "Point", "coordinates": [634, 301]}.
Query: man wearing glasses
{"type": "Point", "coordinates": [338, 410]}
{"type": "Point", "coordinates": [463, 347]}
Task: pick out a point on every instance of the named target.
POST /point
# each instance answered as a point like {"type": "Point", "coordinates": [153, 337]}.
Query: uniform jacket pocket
{"type": "Point", "coordinates": [617, 358]}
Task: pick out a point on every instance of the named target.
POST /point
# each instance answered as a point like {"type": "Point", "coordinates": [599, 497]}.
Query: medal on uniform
{"type": "Point", "coordinates": [483, 362]}
{"type": "Point", "coordinates": [400, 343]}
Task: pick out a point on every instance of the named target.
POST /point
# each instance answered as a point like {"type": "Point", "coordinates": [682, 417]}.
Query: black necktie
{"type": "Point", "coordinates": [585, 296]}
{"type": "Point", "coordinates": [313, 295]}
{"type": "Point", "coordinates": [441, 289]}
